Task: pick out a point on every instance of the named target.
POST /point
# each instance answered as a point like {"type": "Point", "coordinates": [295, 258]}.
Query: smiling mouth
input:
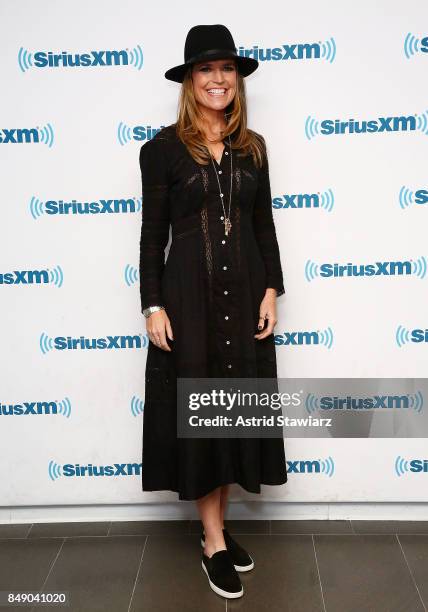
{"type": "Point", "coordinates": [216, 91]}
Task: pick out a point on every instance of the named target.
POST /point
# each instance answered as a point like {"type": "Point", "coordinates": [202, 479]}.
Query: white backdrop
{"type": "Point", "coordinates": [72, 134]}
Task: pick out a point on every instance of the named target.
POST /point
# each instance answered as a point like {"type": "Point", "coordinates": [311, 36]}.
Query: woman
{"type": "Point", "coordinates": [211, 308]}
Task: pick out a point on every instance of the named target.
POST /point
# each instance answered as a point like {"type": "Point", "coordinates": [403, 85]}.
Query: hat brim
{"type": "Point", "coordinates": [246, 66]}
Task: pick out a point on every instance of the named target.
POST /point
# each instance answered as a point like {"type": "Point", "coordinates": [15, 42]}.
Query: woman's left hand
{"type": "Point", "coordinates": [267, 311]}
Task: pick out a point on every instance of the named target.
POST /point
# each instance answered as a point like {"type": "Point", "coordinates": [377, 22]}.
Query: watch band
{"type": "Point", "coordinates": [148, 311]}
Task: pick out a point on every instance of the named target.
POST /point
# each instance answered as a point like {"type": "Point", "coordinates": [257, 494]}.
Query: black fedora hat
{"type": "Point", "coordinates": [210, 42]}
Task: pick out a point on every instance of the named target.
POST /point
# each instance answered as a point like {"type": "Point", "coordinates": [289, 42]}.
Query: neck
{"type": "Point", "coordinates": [212, 120]}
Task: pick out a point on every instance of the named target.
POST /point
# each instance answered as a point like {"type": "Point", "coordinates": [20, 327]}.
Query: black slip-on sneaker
{"type": "Point", "coordinates": [241, 559]}
{"type": "Point", "coordinates": [222, 576]}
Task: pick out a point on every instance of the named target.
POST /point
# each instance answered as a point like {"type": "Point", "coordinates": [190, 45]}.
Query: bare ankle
{"type": "Point", "coordinates": [214, 543]}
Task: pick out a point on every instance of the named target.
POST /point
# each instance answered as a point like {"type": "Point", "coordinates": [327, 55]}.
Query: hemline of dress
{"type": "Point", "coordinates": [222, 484]}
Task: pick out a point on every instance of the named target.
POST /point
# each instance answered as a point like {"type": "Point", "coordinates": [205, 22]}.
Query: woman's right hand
{"type": "Point", "coordinates": [158, 326]}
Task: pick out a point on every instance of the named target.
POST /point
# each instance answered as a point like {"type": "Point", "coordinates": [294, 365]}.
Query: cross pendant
{"type": "Point", "coordinates": [227, 226]}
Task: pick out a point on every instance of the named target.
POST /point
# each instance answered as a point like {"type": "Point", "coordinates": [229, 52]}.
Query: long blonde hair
{"type": "Point", "coordinates": [188, 125]}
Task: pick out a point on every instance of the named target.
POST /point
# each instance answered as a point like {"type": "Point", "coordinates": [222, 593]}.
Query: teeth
{"type": "Point", "coordinates": [216, 91]}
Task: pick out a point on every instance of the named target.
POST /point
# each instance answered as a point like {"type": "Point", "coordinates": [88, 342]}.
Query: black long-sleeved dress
{"type": "Point", "coordinates": [211, 286]}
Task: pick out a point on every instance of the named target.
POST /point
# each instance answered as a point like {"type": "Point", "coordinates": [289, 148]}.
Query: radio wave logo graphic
{"type": "Point", "coordinates": [36, 207]}
{"type": "Point", "coordinates": [124, 133]}
{"type": "Point", "coordinates": [137, 406]}
{"type": "Point", "coordinates": [312, 403]}
{"type": "Point", "coordinates": [65, 407]}
{"type": "Point", "coordinates": [326, 337]}
{"type": "Point", "coordinates": [401, 466]}
{"type": "Point", "coordinates": [25, 59]}
{"type": "Point", "coordinates": [45, 343]}
{"type": "Point", "coordinates": [139, 204]}
{"type": "Point", "coordinates": [131, 275]}
{"type": "Point", "coordinates": [311, 270]}
{"type": "Point", "coordinates": [402, 336]}
{"type": "Point", "coordinates": [312, 127]}
{"type": "Point", "coordinates": [136, 57]}
{"type": "Point", "coordinates": [416, 401]}
{"type": "Point", "coordinates": [419, 267]}
{"type": "Point", "coordinates": [422, 122]}
{"type": "Point", "coordinates": [56, 276]}
{"type": "Point", "coordinates": [46, 135]}
{"type": "Point", "coordinates": [54, 470]}
{"type": "Point", "coordinates": [406, 197]}
{"type": "Point", "coordinates": [327, 200]}
{"type": "Point", "coordinates": [411, 45]}
{"type": "Point", "coordinates": [327, 466]}
{"type": "Point", "coordinates": [146, 340]}
{"type": "Point", "coordinates": [328, 49]}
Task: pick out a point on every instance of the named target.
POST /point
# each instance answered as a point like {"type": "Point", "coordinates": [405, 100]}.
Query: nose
{"type": "Point", "coordinates": [218, 76]}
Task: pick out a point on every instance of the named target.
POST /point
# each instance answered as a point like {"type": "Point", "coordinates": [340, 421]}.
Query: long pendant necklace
{"type": "Point", "coordinates": [226, 220]}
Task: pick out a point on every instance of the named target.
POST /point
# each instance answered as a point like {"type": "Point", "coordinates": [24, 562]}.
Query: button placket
{"type": "Point", "coordinates": [224, 266]}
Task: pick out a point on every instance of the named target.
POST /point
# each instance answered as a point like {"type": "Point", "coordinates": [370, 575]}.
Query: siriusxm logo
{"type": "Point", "coordinates": [315, 466]}
{"type": "Point", "coordinates": [413, 44]}
{"type": "Point", "coordinates": [43, 135]}
{"type": "Point", "coordinates": [407, 197]}
{"type": "Point", "coordinates": [405, 336]}
{"type": "Point", "coordinates": [415, 401]}
{"type": "Point", "coordinates": [379, 268]}
{"type": "Point", "coordinates": [93, 59]}
{"type": "Point", "coordinates": [403, 466]}
{"type": "Point", "coordinates": [62, 408]}
{"type": "Point", "coordinates": [55, 407]}
{"type": "Point", "coordinates": [62, 343]}
{"type": "Point", "coordinates": [138, 133]}
{"type": "Point", "coordinates": [323, 338]}
{"type": "Point", "coordinates": [37, 207]}
{"type": "Point", "coordinates": [54, 276]}
{"type": "Point", "coordinates": [33, 277]}
{"type": "Point", "coordinates": [325, 50]}
{"type": "Point", "coordinates": [55, 470]}
{"type": "Point", "coordinates": [403, 123]}
{"type": "Point", "coordinates": [323, 200]}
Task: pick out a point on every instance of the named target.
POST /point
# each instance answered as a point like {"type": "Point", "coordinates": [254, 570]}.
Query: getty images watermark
{"type": "Point", "coordinates": [302, 407]}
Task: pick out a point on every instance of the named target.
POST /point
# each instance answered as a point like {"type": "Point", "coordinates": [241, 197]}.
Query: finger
{"type": "Point", "coordinates": [261, 322]}
{"type": "Point", "coordinates": [266, 332]}
{"type": "Point", "coordinates": [169, 330]}
{"type": "Point", "coordinates": [162, 341]}
{"type": "Point", "coordinates": [154, 340]}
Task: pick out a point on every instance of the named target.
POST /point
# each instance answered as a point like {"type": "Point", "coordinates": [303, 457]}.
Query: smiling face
{"type": "Point", "coordinates": [214, 83]}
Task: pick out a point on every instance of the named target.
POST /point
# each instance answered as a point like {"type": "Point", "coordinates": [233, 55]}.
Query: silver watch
{"type": "Point", "coordinates": [148, 311]}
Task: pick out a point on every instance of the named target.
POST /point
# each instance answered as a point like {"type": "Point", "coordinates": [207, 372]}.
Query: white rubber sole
{"type": "Point", "coordinates": [219, 591]}
{"type": "Point", "coordinates": [239, 568]}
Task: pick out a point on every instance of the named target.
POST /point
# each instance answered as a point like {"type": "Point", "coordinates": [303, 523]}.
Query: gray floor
{"type": "Point", "coordinates": [300, 566]}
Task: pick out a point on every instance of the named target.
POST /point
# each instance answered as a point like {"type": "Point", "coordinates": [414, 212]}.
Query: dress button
{"type": "Point", "coordinates": [226, 317]}
{"type": "Point", "coordinates": [223, 241]}
{"type": "Point", "coordinates": [229, 365]}
{"type": "Point", "coordinates": [224, 267]}
{"type": "Point", "coordinates": [221, 218]}
{"type": "Point", "coordinates": [221, 195]}
{"type": "Point", "coordinates": [226, 153]}
{"type": "Point", "coordinates": [227, 341]}
{"type": "Point", "coordinates": [220, 171]}
{"type": "Point", "coordinates": [226, 292]}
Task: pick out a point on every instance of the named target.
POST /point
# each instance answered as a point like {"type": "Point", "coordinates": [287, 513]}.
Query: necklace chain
{"type": "Point", "coordinates": [226, 221]}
